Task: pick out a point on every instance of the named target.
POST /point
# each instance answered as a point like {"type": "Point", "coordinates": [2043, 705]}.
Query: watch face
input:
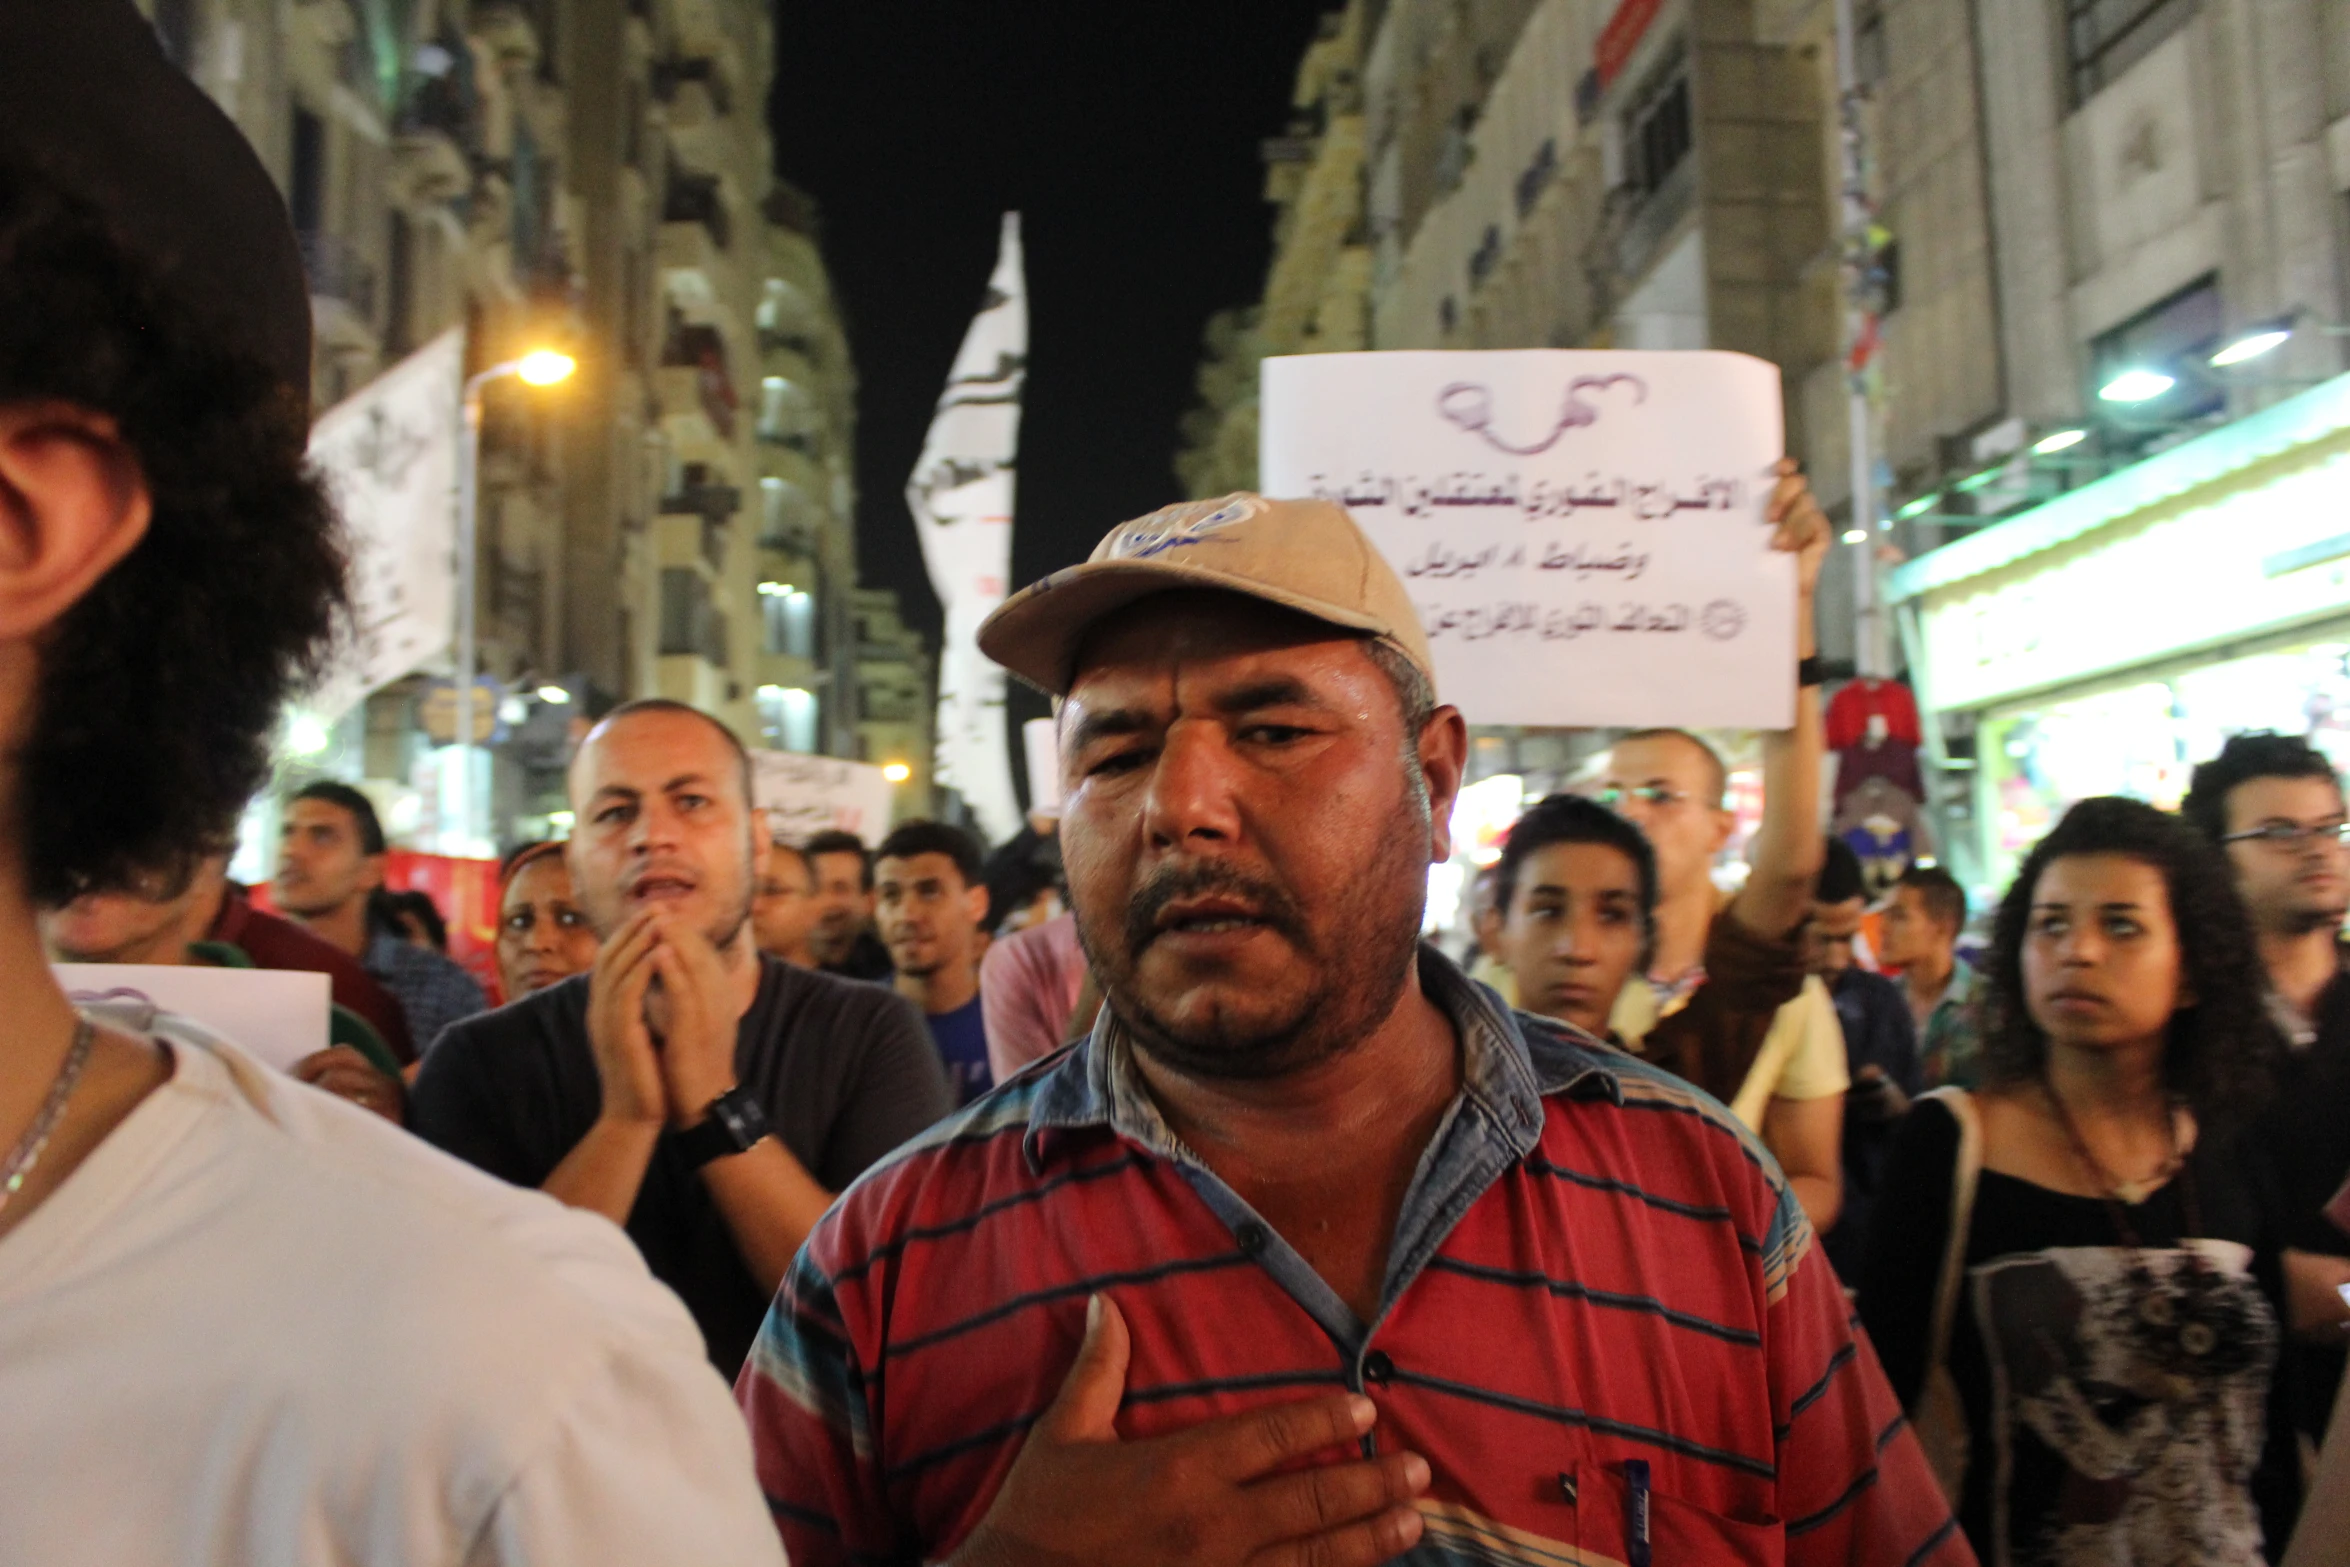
{"type": "Point", "coordinates": [745, 1121]}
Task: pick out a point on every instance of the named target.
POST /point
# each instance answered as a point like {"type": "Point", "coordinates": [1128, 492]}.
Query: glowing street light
{"type": "Point", "coordinates": [2136, 386]}
{"type": "Point", "coordinates": [545, 367]}
{"type": "Point", "coordinates": [897, 772]}
{"type": "Point", "coordinates": [554, 694]}
{"type": "Point", "coordinates": [2251, 345]}
{"type": "Point", "coordinates": [2059, 441]}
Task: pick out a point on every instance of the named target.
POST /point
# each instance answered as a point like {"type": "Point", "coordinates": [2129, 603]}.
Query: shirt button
{"type": "Point", "coordinates": [1378, 1369]}
{"type": "Point", "coordinates": [1253, 1238]}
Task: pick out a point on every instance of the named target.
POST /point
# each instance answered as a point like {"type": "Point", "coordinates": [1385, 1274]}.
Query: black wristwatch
{"type": "Point", "coordinates": [1812, 671]}
{"type": "Point", "coordinates": [733, 1124]}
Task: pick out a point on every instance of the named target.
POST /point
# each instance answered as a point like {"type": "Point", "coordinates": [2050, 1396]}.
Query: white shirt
{"type": "Point", "coordinates": [260, 1326]}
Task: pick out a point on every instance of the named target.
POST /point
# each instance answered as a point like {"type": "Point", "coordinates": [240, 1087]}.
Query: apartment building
{"type": "Point", "coordinates": [677, 518]}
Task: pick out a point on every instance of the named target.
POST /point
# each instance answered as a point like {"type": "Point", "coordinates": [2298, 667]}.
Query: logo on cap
{"type": "Point", "coordinates": [1178, 527]}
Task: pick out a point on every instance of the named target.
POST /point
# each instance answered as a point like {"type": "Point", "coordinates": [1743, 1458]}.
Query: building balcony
{"type": "Point", "coordinates": [689, 541]}
{"type": "Point", "coordinates": [698, 125]}
{"type": "Point", "coordinates": [338, 272]}
{"type": "Point", "coordinates": [693, 262]}
{"type": "Point", "coordinates": [692, 679]}
{"type": "Point", "coordinates": [429, 168]}
{"type": "Point", "coordinates": [789, 672]}
{"type": "Point", "coordinates": [685, 414]}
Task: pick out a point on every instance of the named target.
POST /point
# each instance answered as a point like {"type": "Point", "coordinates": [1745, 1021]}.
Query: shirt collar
{"type": "Point", "coordinates": [1511, 1061]}
{"type": "Point", "coordinates": [1961, 988]}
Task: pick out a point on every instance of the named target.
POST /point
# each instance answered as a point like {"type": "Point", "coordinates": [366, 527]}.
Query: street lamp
{"type": "Point", "coordinates": [2136, 386]}
{"type": "Point", "coordinates": [539, 367]}
{"type": "Point", "coordinates": [897, 772]}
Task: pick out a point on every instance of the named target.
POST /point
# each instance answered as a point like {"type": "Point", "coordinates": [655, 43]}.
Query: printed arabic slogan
{"type": "Point", "coordinates": [1581, 531]}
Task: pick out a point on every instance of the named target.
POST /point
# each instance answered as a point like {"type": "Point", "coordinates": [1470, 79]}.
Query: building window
{"type": "Point", "coordinates": [685, 611]}
{"type": "Point", "coordinates": [306, 201]}
{"type": "Point", "coordinates": [2104, 38]}
{"type": "Point", "coordinates": [1658, 131]}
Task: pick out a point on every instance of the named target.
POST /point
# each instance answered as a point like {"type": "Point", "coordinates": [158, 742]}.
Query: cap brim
{"type": "Point", "coordinates": [1036, 633]}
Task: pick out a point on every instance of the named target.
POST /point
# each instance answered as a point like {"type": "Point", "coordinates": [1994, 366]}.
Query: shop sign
{"type": "Point", "coordinates": [1580, 531]}
{"type": "Point", "coordinates": [2170, 581]}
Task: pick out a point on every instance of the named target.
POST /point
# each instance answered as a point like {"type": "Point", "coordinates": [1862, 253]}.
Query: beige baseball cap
{"type": "Point", "coordinates": [1307, 556]}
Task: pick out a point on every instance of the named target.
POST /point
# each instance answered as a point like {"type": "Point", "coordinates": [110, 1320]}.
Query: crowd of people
{"type": "Point", "coordinates": [1145, 1192]}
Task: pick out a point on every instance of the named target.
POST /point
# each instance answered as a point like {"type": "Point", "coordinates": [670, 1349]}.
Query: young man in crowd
{"type": "Point", "coordinates": [2274, 804]}
{"type": "Point", "coordinates": [330, 861]}
{"type": "Point", "coordinates": [930, 906]}
{"type": "Point", "coordinates": [843, 941]}
{"type": "Point", "coordinates": [1922, 925]}
{"type": "Point", "coordinates": [1311, 1253]}
{"type": "Point", "coordinates": [706, 1097]}
{"type": "Point", "coordinates": [241, 1321]}
{"type": "Point", "coordinates": [783, 914]}
{"type": "Point", "coordinates": [1880, 1048]}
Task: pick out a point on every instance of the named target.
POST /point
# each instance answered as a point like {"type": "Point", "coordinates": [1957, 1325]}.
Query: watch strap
{"type": "Point", "coordinates": [734, 1123]}
{"type": "Point", "coordinates": [1812, 671]}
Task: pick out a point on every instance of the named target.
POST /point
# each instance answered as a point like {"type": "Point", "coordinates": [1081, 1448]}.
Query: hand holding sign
{"type": "Point", "coordinates": [1590, 538]}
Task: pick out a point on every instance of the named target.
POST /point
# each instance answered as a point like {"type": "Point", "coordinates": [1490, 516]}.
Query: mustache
{"type": "Point", "coordinates": [1272, 902]}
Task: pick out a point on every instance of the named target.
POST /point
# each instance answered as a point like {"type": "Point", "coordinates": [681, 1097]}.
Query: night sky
{"type": "Point", "coordinates": [1125, 132]}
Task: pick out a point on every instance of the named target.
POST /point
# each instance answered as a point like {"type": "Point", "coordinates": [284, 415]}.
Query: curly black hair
{"type": "Point", "coordinates": [2221, 1050]}
{"type": "Point", "coordinates": [157, 693]}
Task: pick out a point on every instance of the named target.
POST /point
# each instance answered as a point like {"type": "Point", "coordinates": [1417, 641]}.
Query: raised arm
{"type": "Point", "coordinates": [1788, 846]}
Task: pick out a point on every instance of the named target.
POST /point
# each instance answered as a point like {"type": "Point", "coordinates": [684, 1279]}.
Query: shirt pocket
{"type": "Point", "coordinates": [1680, 1533]}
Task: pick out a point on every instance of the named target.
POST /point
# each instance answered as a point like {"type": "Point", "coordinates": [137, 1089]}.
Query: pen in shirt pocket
{"type": "Point", "coordinates": [1636, 1512]}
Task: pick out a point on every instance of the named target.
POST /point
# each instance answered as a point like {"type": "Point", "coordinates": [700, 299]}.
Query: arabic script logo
{"type": "Point", "coordinates": [1469, 404]}
{"type": "Point", "coordinates": [1723, 619]}
{"type": "Point", "coordinates": [1176, 527]}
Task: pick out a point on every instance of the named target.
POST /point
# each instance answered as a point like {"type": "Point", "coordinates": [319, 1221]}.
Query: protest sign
{"type": "Point", "coordinates": [1581, 531]}
{"type": "Point", "coordinates": [277, 1016]}
{"type": "Point", "coordinates": [806, 795]}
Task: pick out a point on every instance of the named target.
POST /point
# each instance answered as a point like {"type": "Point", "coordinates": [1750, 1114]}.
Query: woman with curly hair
{"type": "Point", "coordinates": [2065, 1279]}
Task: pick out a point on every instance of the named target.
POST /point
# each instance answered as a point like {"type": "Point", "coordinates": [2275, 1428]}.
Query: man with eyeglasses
{"type": "Point", "coordinates": [2274, 805]}
{"type": "Point", "coordinates": [1776, 1054]}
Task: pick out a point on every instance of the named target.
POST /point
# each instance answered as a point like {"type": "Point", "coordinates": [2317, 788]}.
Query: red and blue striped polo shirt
{"type": "Point", "coordinates": [1596, 1264]}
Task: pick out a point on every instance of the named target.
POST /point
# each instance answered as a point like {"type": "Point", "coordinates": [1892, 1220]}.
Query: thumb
{"type": "Point", "coordinates": [1087, 1406]}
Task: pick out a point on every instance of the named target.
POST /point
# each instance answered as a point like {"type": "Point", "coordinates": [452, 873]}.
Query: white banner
{"type": "Point", "coordinates": [277, 1016]}
{"type": "Point", "coordinates": [389, 454]}
{"type": "Point", "coordinates": [806, 795]}
{"type": "Point", "coordinates": [961, 497]}
{"type": "Point", "coordinates": [1581, 531]}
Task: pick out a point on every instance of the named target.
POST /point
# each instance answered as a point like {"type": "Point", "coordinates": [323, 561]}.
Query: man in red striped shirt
{"type": "Point", "coordinates": [1312, 1253]}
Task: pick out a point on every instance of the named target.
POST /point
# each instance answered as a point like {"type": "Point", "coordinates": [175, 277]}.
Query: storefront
{"type": "Point", "coordinates": [2106, 641]}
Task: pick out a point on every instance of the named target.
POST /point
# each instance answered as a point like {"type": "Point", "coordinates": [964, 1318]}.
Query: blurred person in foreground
{"type": "Point", "coordinates": [1922, 924]}
{"type": "Point", "coordinates": [1312, 1252]}
{"type": "Point", "coordinates": [784, 914]}
{"type": "Point", "coordinates": [1880, 1048]}
{"type": "Point", "coordinates": [544, 935]}
{"type": "Point", "coordinates": [330, 876]}
{"type": "Point", "coordinates": [2105, 1323]}
{"type": "Point", "coordinates": [164, 919]}
{"type": "Point", "coordinates": [844, 942]}
{"type": "Point", "coordinates": [931, 907]}
{"type": "Point", "coordinates": [2274, 806]}
{"type": "Point", "coordinates": [241, 1321]}
{"type": "Point", "coordinates": [707, 1098]}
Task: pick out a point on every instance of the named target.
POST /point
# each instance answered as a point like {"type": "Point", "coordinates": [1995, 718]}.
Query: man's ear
{"type": "Point", "coordinates": [975, 905]}
{"type": "Point", "coordinates": [1444, 759]}
{"type": "Point", "coordinates": [372, 872]}
{"type": "Point", "coordinates": [73, 503]}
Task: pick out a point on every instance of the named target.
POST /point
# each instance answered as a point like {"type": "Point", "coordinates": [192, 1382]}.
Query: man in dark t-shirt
{"type": "Point", "coordinates": [929, 902]}
{"type": "Point", "coordinates": [710, 1100]}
